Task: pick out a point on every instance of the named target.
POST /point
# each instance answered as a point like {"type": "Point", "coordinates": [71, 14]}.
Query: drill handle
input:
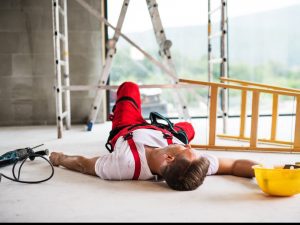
{"type": "Point", "coordinates": [40, 153]}
{"type": "Point", "coordinates": [8, 158]}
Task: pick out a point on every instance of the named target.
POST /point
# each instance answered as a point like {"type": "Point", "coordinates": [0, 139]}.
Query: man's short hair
{"type": "Point", "coordinates": [185, 175]}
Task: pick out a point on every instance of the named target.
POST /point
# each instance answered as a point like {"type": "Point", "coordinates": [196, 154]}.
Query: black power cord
{"type": "Point", "coordinates": [22, 155]}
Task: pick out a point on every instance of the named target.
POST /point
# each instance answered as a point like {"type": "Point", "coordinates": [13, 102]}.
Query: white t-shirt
{"type": "Point", "coordinates": [120, 164]}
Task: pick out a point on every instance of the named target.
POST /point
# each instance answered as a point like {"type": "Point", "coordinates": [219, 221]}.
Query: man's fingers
{"type": "Point", "coordinates": [54, 158]}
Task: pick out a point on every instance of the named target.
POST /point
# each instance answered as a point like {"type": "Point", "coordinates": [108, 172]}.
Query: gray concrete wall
{"type": "Point", "coordinates": [27, 62]}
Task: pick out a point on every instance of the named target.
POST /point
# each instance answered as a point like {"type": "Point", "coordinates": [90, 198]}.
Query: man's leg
{"type": "Point", "coordinates": [128, 106]}
{"type": "Point", "coordinates": [75, 163]}
{"type": "Point", "coordinates": [188, 129]}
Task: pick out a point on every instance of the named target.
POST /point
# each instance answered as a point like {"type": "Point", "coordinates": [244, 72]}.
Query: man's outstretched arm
{"type": "Point", "coordinates": [236, 167]}
{"type": "Point", "coordinates": [75, 163]}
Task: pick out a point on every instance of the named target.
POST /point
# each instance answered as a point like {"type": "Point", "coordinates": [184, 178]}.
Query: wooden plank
{"type": "Point", "coordinates": [274, 117]}
{"type": "Point", "coordinates": [237, 87]}
{"type": "Point", "coordinates": [254, 118]}
{"type": "Point", "coordinates": [243, 113]}
{"type": "Point", "coordinates": [297, 124]}
{"type": "Point", "coordinates": [213, 114]}
{"type": "Point", "coordinates": [247, 83]}
{"type": "Point", "coordinates": [259, 140]}
{"type": "Point", "coordinates": [245, 148]}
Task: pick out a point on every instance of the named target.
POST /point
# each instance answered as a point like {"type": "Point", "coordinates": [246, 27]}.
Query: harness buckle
{"type": "Point", "coordinates": [128, 136]}
{"type": "Point", "coordinates": [167, 136]}
{"type": "Point", "coordinates": [108, 146]}
{"type": "Point", "coordinates": [111, 117]}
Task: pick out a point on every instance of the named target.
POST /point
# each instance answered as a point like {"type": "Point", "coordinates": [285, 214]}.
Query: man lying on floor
{"type": "Point", "coordinates": [142, 151]}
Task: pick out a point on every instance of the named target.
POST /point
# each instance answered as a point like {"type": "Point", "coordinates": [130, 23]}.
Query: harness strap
{"type": "Point", "coordinates": [112, 134]}
{"type": "Point", "coordinates": [121, 131]}
{"type": "Point", "coordinates": [169, 138]}
{"type": "Point", "coordinates": [170, 141]}
{"type": "Point", "coordinates": [135, 153]}
{"type": "Point", "coordinates": [137, 161]}
{"type": "Point", "coordinates": [125, 98]}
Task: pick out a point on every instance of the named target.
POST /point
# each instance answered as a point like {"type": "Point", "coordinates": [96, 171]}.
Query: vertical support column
{"type": "Point", "coordinates": [254, 118]}
{"type": "Point", "coordinates": [297, 125]}
{"type": "Point", "coordinates": [58, 89]}
{"type": "Point", "coordinates": [243, 113]}
{"type": "Point", "coordinates": [213, 115]}
{"type": "Point", "coordinates": [66, 74]}
{"type": "Point", "coordinates": [274, 117]}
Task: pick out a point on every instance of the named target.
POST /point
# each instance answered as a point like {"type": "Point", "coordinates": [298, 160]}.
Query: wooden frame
{"type": "Point", "coordinates": [256, 89]}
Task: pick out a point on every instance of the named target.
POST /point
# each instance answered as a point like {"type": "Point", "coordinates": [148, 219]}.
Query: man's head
{"type": "Point", "coordinates": [181, 168]}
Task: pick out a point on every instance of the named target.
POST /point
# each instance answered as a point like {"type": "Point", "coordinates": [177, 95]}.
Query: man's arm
{"type": "Point", "coordinates": [75, 163]}
{"type": "Point", "coordinates": [236, 167]}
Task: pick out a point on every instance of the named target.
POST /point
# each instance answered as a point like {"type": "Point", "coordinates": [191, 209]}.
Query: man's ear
{"type": "Point", "coordinates": [188, 146]}
{"type": "Point", "coordinates": [169, 158]}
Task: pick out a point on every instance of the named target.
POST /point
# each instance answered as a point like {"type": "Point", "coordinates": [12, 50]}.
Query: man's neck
{"type": "Point", "coordinates": [150, 160]}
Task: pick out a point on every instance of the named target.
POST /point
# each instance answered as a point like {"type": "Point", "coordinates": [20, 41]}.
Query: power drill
{"type": "Point", "coordinates": [12, 157]}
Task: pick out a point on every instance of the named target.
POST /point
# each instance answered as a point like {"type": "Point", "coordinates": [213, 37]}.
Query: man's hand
{"type": "Point", "coordinates": [76, 162]}
{"type": "Point", "coordinates": [55, 158]}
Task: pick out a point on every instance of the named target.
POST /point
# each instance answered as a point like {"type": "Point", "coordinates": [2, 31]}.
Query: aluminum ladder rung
{"type": "Point", "coordinates": [62, 36]}
{"type": "Point", "coordinates": [64, 114]}
{"type": "Point", "coordinates": [214, 10]}
{"type": "Point", "coordinates": [61, 62]}
{"type": "Point", "coordinates": [217, 60]}
{"type": "Point", "coordinates": [217, 34]}
{"type": "Point", "coordinates": [61, 10]}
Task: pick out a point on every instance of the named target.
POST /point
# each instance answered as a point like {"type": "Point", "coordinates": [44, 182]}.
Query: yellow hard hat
{"type": "Point", "coordinates": [278, 181]}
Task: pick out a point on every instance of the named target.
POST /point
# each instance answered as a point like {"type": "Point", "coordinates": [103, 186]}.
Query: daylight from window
{"type": "Point", "coordinates": [262, 47]}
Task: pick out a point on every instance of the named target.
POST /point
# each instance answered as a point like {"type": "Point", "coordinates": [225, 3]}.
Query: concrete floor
{"type": "Point", "coordinates": [74, 197]}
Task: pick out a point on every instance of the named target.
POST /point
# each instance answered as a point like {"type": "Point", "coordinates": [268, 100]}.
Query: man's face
{"type": "Point", "coordinates": [184, 151]}
{"type": "Point", "coordinates": [166, 155]}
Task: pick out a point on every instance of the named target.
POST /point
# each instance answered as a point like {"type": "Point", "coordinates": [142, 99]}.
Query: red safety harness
{"type": "Point", "coordinates": [126, 130]}
{"type": "Point", "coordinates": [129, 138]}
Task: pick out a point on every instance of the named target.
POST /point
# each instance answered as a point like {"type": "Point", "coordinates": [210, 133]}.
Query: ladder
{"type": "Point", "coordinates": [164, 50]}
{"type": "Point", "coordinates": [63, 87]}
{"type": "Point", "coordinates": [256, 90]}
{"type": "Point", "coordinates": [223, 59]}
{"type": "Point", "coordinates": [61, 57]}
